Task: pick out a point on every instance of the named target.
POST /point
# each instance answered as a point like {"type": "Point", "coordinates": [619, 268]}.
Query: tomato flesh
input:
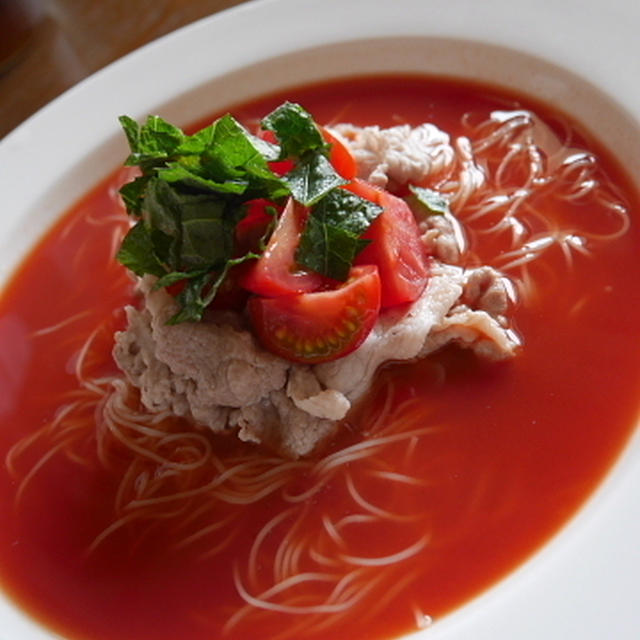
{"type": "Point", "coordinates": [340, 156]}
{"type": "Point", "coordinates": [250, 230]}
{"type": "Point", "coordinates": [275, 273]}
{"type": "Point", "coordinates": [395, 247]}
{"type": "Point", "coordinates": [320, 326]}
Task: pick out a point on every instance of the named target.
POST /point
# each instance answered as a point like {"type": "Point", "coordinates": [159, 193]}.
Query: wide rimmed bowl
{"type": "Point", "coordinates": [581, 56]}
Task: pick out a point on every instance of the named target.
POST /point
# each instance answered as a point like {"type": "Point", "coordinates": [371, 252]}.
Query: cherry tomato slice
{"type": "Point", "coordinates": [276, 272]}
{"type": "Point", "coordinates": [395, 247]}
{"type": "Point", "coordinates": [321, 326]}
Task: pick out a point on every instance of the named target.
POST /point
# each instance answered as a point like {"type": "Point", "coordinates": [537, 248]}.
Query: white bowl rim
{"type": "Point", "coordinates": [563, 591]}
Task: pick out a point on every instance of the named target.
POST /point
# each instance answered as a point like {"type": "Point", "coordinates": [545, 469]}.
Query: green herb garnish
{"type": "Point", "coordinates": [295, 129]}
{"type": "Point", "coordinates": [332, 237]}
{"type": "Point", "coordinates": [429, 202]}
{"type": "Point", "coordinates": [194, 189]}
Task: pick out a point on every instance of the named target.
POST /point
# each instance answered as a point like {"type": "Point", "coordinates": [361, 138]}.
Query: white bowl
{"type": "Point", "coordinates": [579, 55]}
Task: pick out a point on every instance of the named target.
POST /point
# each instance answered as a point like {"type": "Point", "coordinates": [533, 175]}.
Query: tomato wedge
{"type": "Point", "coordinates": [395, 247]}
{"type": "Point", "coordinates": [340, 156]}
{"type": "Point", "coordinates": [275, 273]}
{"type": "Point", "coordinates": [321, 326]}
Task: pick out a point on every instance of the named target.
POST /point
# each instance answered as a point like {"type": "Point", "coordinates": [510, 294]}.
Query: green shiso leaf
{"type": "Point", "coordinates": [429, 202]}
{"type": "Point", "coordinates": [332, 237]}
{"type": "Point", "coordinates": [194, 189]}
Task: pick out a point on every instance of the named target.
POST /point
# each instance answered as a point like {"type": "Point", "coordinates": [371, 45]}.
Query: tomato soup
{"type": "Point", "coordinates": [476, 465]}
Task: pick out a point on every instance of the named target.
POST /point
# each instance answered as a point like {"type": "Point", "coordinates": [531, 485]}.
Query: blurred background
{"type": "Point", "coordinates": [47, 46]}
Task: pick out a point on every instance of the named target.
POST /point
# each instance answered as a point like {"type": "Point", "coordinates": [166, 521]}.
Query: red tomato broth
{"type": "Point", "coordinates": [518, 446]}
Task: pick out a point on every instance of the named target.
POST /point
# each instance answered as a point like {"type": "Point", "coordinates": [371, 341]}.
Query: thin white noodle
{"type": "Point", "coordinates": [242, 498]}
{"type": "Point", "coordinates": [332, 530]}
{"type": "Point", "coordinates": [399, 584]}
{"type": "Point", "coordinates": [22, 445]}
{"type": "Point", "coordinates": [60, 325]}
{"type": "Point", "coordinates": [350, 454]}
{"type": "Point", "coordinates": [132, 475]}
{"type": "Point", "coordinates": [118, 524]}
{"type": "Point", "coordinates": [282, 558]}
{"type": "Point", "coordinates": [292, 558]}
{"type": "Point", "coordinates": [191, 492]}
{"type": "Point", "coordinates": [377, 511]}
{"type": "Point", "coordinates": [322, 559]}
{"type": "Point", "coordinates": [393, 558]}
{"type": "Point", "coordinates": [261, 603]}
{"type": "Point", "coordinates": [82, 354]}
{"type": "Point", "coordinates": [399, 477]}
{"type": "Point", "coordinates": [34, 470]}
{"type": "Point", "coordinates": [338, 458]}
{"type": "Point", "coordinates": [384, 412]}
{"type": "Point", "coordinates": [258, 541]}
{"type": "Point", "coordinates": [198, 535]}
{"type": "Point", "coordinates": [216, 549]}
{"type": "Point", "coordinates": [145, 453]}
{"type": "Point", "coordinates": [356, 518]}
